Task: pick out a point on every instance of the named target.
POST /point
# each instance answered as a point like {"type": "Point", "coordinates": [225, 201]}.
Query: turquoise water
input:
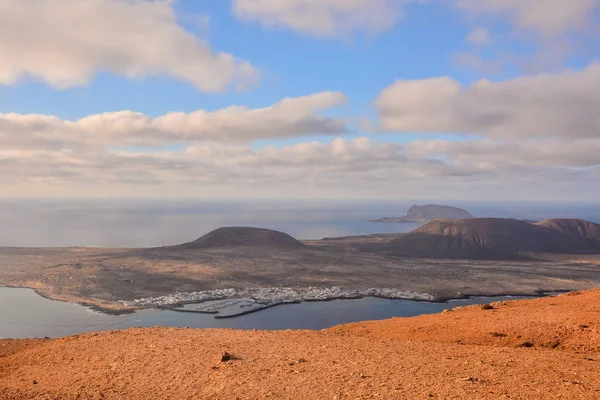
{"type": "Point", "coordinates": [25, 314]}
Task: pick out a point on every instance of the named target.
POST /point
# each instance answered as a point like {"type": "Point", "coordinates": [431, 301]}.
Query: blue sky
{"type": "Point", "coordinates": [427, 40]}
{"type": "Point", "coordinates": [359, 65]}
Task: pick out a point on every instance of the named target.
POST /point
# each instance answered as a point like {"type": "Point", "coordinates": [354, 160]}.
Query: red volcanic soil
{"type": "Point", "coordinates": [536, 349]}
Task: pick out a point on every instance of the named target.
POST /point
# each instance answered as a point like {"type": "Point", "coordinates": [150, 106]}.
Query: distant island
{"type": "Point", "coordinates": [429, 212]}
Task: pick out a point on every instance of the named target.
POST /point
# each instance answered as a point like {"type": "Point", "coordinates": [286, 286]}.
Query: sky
{"type": "Point", "coordinates": [289, 99]}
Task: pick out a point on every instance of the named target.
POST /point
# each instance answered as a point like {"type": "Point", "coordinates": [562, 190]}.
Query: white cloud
{"type": "Point", "coordinates": [206, 163]}
{"type": "Point", "coordinates": [65, 43]}
{"type": "Point", "coordinates": [486, 66]}
{"type": "Point", "coordinates": [560, 105]}
{"type": "Point", "coordinates": [500, 155]}
{"type": "Point", "coordinates": [479, 36]}
{"type": "Point", "coordinates": [309, 155]}
{"type": "Point", "coordinates": [545, 17]}
{"type": "Point", "coordinates": [291, 117]}
{"type": "Point", "coordinates": [553, 30]}
{"type": "Point", "coordinates": [326, 18]}
{"type": "Point", "coordinates": [333, 18]}
{"type": "Point", "coordinates": [541, 129]}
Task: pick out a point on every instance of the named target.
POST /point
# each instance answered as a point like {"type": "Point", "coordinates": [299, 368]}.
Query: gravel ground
{"type": "Point", "coordinates": [535, 349]}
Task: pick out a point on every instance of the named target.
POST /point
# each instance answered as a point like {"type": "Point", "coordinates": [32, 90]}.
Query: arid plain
{"type": "Point", "coordinates": [102, 277]}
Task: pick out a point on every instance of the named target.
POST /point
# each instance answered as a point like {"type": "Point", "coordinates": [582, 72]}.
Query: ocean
{"type": "Point", "coordinates": [154, 222]}
{"type": "Point", "coordinates": [25, 314]}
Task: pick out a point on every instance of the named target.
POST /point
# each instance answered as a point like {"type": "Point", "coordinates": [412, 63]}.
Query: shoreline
{"type": "Point", "coordinates": [174, 307]}
{"type": "Point", "coordinates": [537, 295]}
{"type": "Point", "coordinates": [87, 303]}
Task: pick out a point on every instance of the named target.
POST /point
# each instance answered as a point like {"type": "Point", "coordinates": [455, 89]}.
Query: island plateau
{"type": "Point", "coordinates": [442, 260]}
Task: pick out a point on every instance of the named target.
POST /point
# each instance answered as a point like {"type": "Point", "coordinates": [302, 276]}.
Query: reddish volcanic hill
{"type": "Point", "coordinates": [497, 238]}
{"type": "Point", "coordinates": [246, 237]}
{"type": "Point", "coordinates": [533, 349]}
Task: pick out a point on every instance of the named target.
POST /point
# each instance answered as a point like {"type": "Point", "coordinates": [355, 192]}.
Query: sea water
{"type": "Point", "coordinates": [25, 314]}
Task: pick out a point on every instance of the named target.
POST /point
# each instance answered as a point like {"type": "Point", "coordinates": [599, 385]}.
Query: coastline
{"type": "Point", "coordinates": [175, 306]}
{"type": "Point", "coordinates": [99, 279]}
{"type": "Point", "coordinates": [262, 298]}
{"type": "Point", "coordinates": [99, 306]}
{"type": "Point", "coordinates": [537, 295]}
{"type": "Point", "coordinates": [102, 308]}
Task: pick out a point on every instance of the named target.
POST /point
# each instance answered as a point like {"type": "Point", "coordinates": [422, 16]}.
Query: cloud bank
{"type": "Point", "coordinates": [533, 134]}
{"type": "Point", "coordinates": [291, 117]}
{"type": "Point", "coordinates": [527, 135]}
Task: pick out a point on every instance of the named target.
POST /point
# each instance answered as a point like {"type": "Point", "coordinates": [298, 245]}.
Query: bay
{"type": "Point", "coordinates": [25, 314]}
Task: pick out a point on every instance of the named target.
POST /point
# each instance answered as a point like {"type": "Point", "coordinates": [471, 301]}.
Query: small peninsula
{"type": "Point", "coordinates": [426, 213]}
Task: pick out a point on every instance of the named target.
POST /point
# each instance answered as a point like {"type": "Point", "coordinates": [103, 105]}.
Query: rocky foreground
{"type": "Point", "coordinates": [534, 349]}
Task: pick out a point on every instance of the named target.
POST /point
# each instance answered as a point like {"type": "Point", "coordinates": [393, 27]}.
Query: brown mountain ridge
{"type": "Point", "coordinates": [498, 238]}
